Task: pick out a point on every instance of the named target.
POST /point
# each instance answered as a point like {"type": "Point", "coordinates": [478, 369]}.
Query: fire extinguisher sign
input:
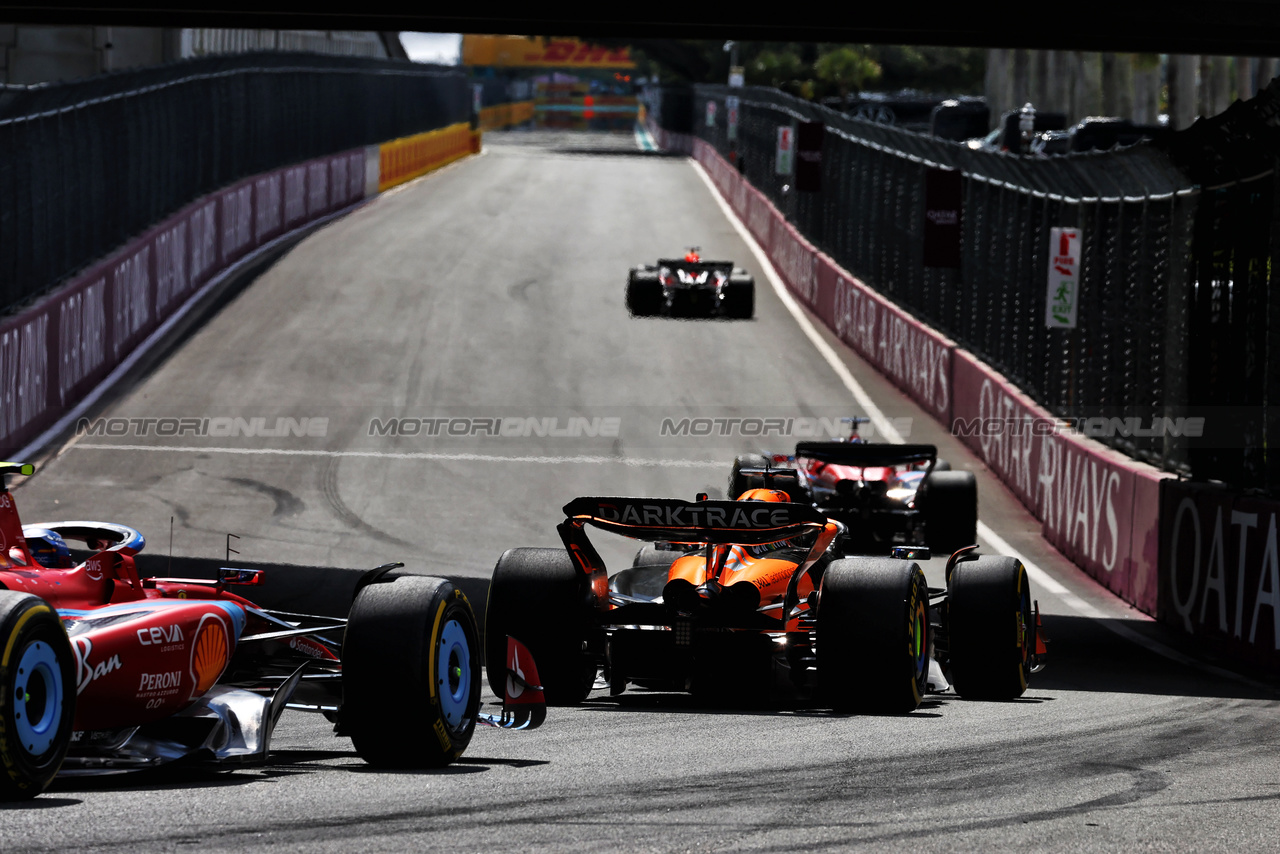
{"type": "Point", "coordinates": [1064, 278]}
{"type": "Point", "coordinates": [784, 161]}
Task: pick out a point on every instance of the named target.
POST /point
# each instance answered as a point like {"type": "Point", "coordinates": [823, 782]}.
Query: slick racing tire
{"type": "Point", "coordinates": [644, 293]}
{"type": "Point", "coordinates": [537, 596]}
{"type": "Point", "coordinates": [991, 628]}
{"type": "Point", "coordinates": [950, 510]}
{"type": "Point", "coordinates": [872, 639]}
{"type": "Point", "coordinates": [738, 483]}
{"type": "Point", "coordinates": [941, 465]}
{"type": "Point", "coordinates": [410, 673]}
{"type": "Point", "coordinates": [37, 695]}
{"type": "Point", "coordinates": [740, 297]}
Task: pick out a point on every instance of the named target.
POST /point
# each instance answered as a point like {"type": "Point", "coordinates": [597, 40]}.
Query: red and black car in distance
{"type": "Point", "coordinates": [690, 287]}
{"type": "Point", "coordinates": [748, 602]}
{"type": "Point", "coordinates": [102, 671]}
{"type": "Point", "coordinates": [886, 495]}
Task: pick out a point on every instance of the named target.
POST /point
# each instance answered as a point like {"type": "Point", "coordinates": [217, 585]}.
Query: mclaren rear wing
{"type": "Point", "coordinates": [863, 454]}
{"type": "Point", "coordinates": [716, 522]}
{"type": "Point", "coordinates": [695, 265]}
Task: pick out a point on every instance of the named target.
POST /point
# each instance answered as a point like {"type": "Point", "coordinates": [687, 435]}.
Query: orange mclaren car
{"type": "Point", "coordinates": [748, 600]}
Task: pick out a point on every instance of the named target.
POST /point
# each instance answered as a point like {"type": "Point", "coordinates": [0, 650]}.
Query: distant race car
{"type": "Point", "coordinates": [102, 671]}
{"type": "Point", "coordinates": [886, 495]}
{"type": "Point", "coordinates": [690, 287]}
{"type": "Point", "coordinates": [747, 601]}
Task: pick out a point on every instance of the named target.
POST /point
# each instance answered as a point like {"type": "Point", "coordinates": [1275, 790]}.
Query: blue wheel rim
{"type": "Point", "coordinates": [453, 673]}
{"type": "Point", "coordinates": [38, 698]}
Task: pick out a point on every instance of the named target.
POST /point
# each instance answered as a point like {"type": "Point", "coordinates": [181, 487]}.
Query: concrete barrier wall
{"type": "Point", "coordinates": [55, 353]}
{"type": "Point", "coordinates": [1098, 507]}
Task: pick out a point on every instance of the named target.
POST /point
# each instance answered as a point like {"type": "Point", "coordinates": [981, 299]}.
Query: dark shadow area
{"type": "Point", "coordinates": [175, 776]}
{"type": "Point", "coordinates": [510, 763]}
{"type": "Point", "coordinates": [667, 703]}
{"type": "Point", "coordinates": [453, 770]}
{"type": "Point", "coordinates": [42, 802]}
{"type": "Point", "coordinates": [1086, 655]}
{"type": "Point", "coordinates": [604, 151]}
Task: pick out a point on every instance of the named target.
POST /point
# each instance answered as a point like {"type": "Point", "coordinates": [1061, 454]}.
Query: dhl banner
{"type": "Point", "coordinates": [405, 159]}
{"type": "Point", "coordinates": [537, 52]}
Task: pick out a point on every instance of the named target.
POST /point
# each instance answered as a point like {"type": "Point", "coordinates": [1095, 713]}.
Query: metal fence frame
{"type": "Point", "coordinates": [1127, 356]}
{"type": "Point", "coordinates": [85, 166]}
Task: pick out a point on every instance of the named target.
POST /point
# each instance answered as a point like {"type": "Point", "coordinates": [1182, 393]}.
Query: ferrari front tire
{"type": "Point", "coordinates": [991, 628]}
{"type": "Point", "coordinates": [538, 597]}
{"type": "Point", "coordinates": [872, 641]}
{"type": "Point", "coordinates": [410, 673]}
{"type": "Point", "coordinates": [37, 695]}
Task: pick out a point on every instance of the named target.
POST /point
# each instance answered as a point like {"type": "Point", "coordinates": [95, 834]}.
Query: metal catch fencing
{"type": "Point", "coordinates": [1173, 301]}
{"type": "Point", "coordinates": [86, 165]}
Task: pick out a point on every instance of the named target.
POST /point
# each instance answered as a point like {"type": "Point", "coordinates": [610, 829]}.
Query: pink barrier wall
{"type": "Point", "coordinates": [1220, 578]}
{"type": "Point", "coordinates": [1098, 507]}
{"type": "Point", "coordinates": [916, 358]}
{"type": "Point", "coordinates": [57, 351]}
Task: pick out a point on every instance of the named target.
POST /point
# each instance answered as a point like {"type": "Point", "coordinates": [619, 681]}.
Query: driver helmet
{"type": "Point", "coordinates": [774, 495]}
{"type": "Point", "coordinates": [691, 256]}
{"type": "Point", "coordinates": [765, 495]}
{"type": "Point", "coordinates": [48, 548]}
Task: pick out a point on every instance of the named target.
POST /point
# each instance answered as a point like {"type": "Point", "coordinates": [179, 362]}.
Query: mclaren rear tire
{"type": "Point", "coordinates": [991, 628]}
{"type": "Point", "coordinates": [537, 596]}
{"type": "Point", "coordinates": [37, 706]}
{"type": "Point", "coordinates": [872, 641]}
{"type": "Point", "coordinates": [410, 673]}
{"type": "Point", "coordinates": [950, 510]}
{"type": "Point", "coordinates": [644, 293]}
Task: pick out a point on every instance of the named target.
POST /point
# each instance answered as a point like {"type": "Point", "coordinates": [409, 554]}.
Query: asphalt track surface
{"type": "Point", "coordinates": [494, 289]}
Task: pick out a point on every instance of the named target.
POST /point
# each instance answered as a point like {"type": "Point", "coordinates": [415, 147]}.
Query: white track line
{"type": "Point", "coordinates": [886, 429]}
{"type": "Point", "coordinates": [635, 462]}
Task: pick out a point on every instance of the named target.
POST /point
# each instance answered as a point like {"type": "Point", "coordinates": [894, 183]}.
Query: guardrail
{"type": "Point", "coordinates": [56, 354]}
{"type": "Point", "coordinates": [89, 165]}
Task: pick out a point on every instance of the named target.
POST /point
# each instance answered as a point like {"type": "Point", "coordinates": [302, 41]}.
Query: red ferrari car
{"type": "Point", "coordinates": [102, 671]}
{"type": "Point", "coordinates": [886, 495]}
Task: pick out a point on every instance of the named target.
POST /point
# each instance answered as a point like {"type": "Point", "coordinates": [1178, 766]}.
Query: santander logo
{"type": "Point", "coordinates": [515, 688]}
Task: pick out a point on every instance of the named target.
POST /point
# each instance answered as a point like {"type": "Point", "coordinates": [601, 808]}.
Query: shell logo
{"type": "Point", "coordinates": [209, 654]}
